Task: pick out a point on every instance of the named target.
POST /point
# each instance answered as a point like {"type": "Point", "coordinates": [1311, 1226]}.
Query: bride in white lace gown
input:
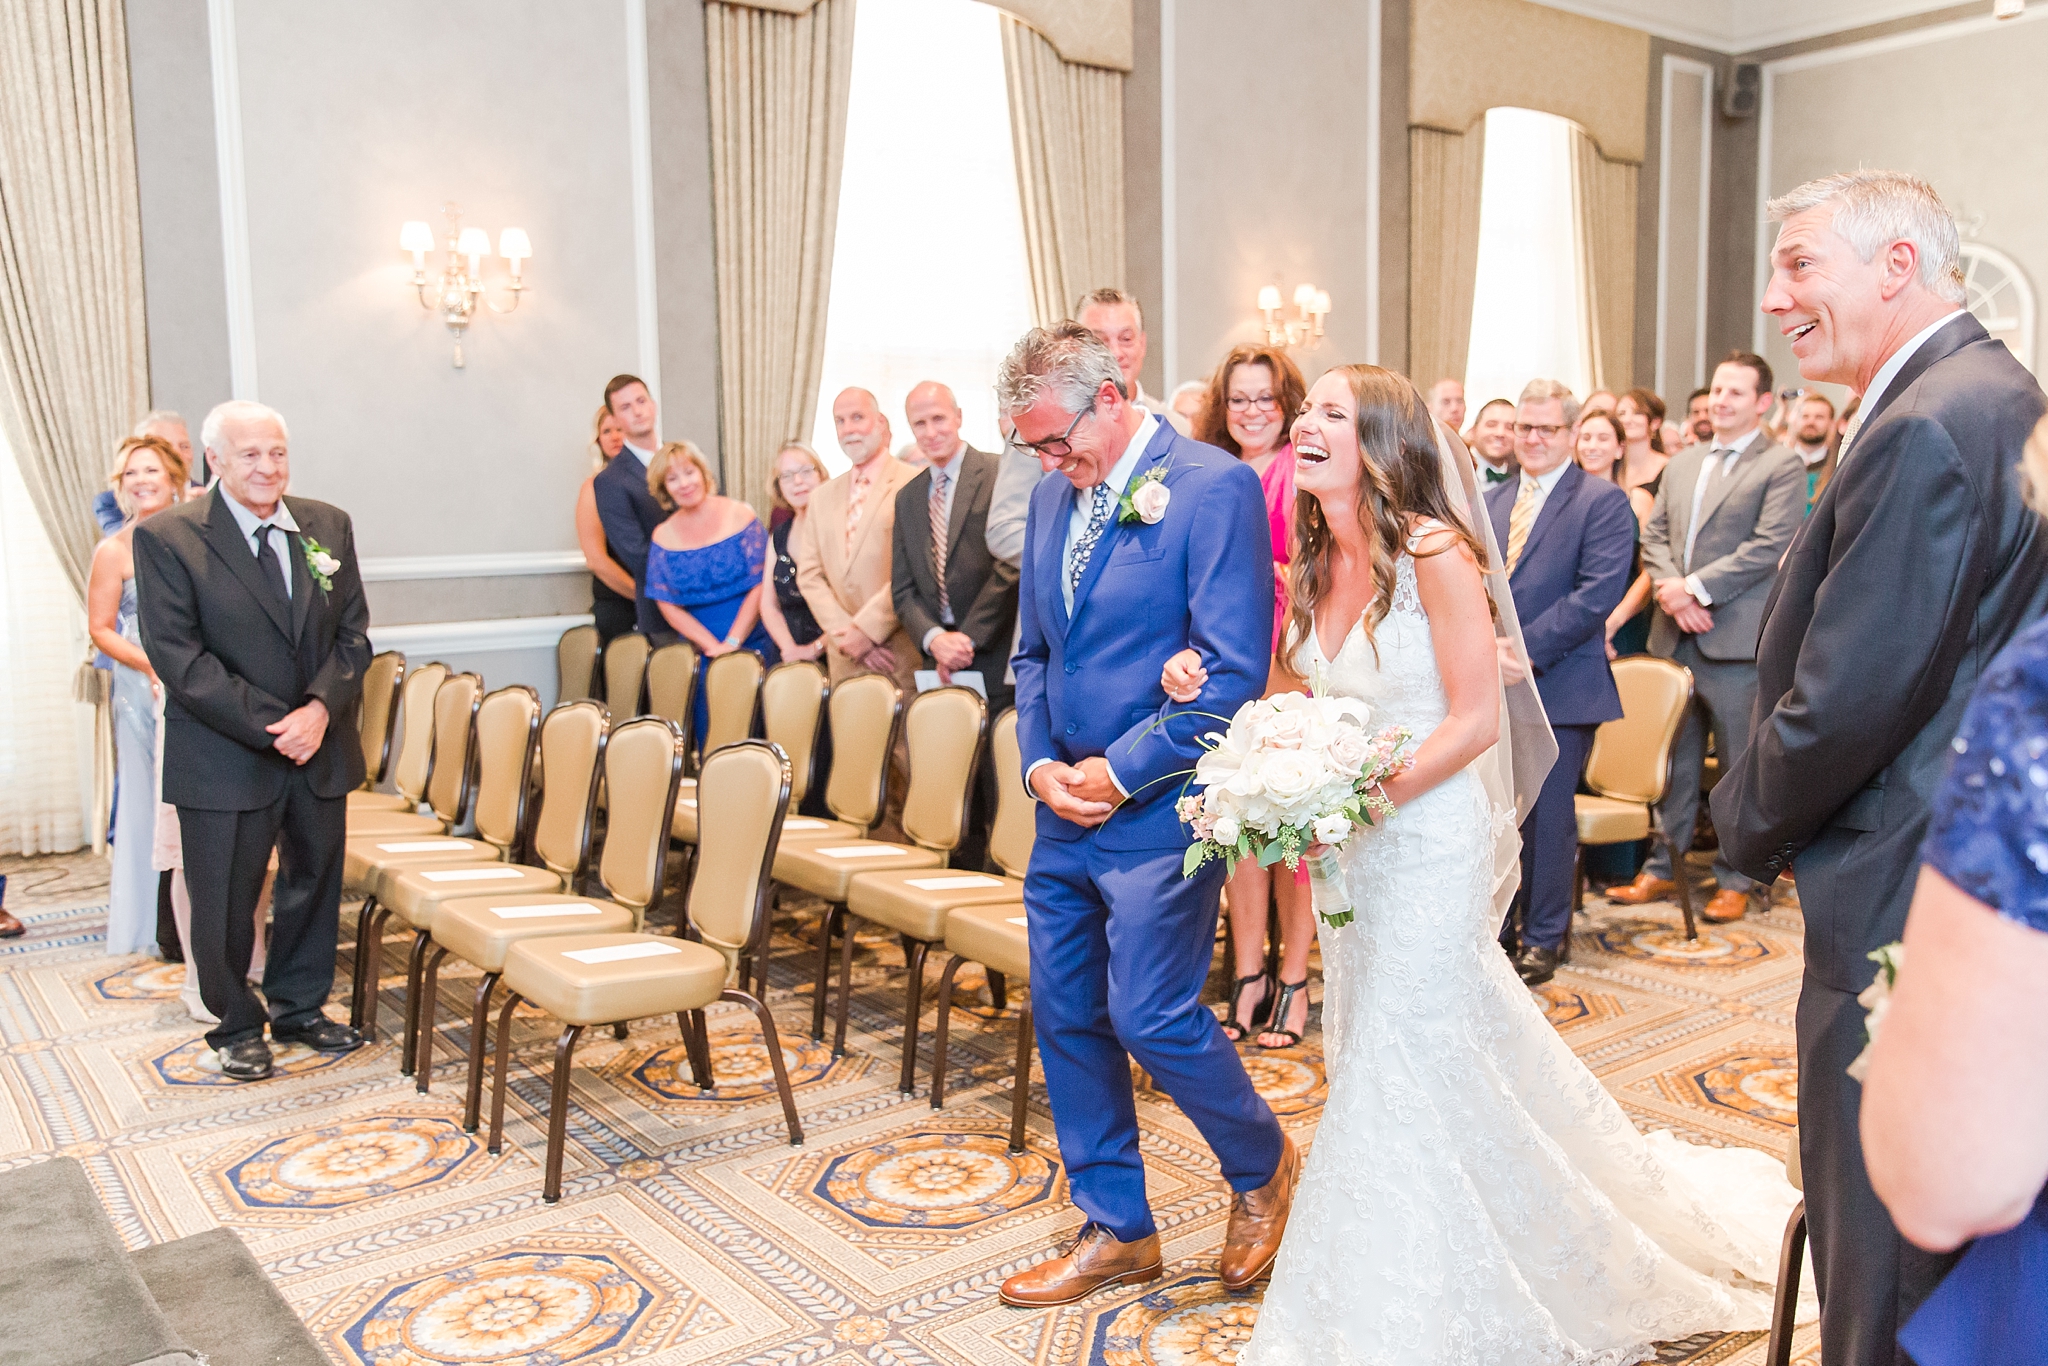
{"type": "Point", "coordinates": [1474, 1195]}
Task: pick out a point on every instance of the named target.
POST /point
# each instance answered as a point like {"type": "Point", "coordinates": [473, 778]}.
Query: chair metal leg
{"type": "Point", "coordinates": [1021, 1100]}
{"type": "Point", "coordinates": [369, 964]}
{"type": "Point", "coordinates": [497, 1143]}
{"type": "Point", "coordinates": [832, 917]}
{"type": "Point", "coordinates": [998, 991]}
{"type": "Point", "coordinates": [1578, 879]}
{"type": "Point", "coordinates": [415, 969]}
{"type": "Point", "coordinates": [1684, 888]}
{"type": "Point", "coordinates": [1786, 1305]}
{"type": "Point", "coordinates": [429, 999]}
{"type": "Point", "coordinates": [619, 1030]}
{"type": "Point", "coordinates": [558, 1115]}
{"type": "Point", "coordinates": [914, 954]}
{"type": "Point", "coordinates": [845, 982]}
{"type": "Point", "coordinates": [479, 1038]}
{"type": "Point", "coordinates": [695, 1047]}
{"type": "Point", "coordinates": [356, 973]}
{"type": "Point", "coordinates": [773, 1042]}
{"type": "Point", "coordinates": [939, 1037]}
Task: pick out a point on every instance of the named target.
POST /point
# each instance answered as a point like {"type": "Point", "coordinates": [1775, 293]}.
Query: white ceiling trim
{"type": "Point", "coordinates": [1736, 26]}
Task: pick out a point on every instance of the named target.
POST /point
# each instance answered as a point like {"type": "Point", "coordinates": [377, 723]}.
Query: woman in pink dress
{"type": "Point", "coordinates": [1252, 400]}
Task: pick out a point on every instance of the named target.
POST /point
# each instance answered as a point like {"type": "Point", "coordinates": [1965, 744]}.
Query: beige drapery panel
{"type": "Point", "coordinates": [778, 87]}
{"type": "Point", "coordinates": [1443, 248]}
{"type": "Point", "coordinates": [73, 349]}
{"type": "Point", "coordinates": [1604, 203]}
{"type": "Point", "coordinates": [1067, 128]}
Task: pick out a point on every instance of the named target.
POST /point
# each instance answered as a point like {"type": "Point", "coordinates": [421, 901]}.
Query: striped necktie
{"type": "Point", "coordinates": [938, 513]}
{"type": "Point", "coordinates": [1520, 520]}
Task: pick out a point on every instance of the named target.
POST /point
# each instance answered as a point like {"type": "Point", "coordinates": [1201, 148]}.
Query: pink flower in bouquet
{"type": "Point", "coordinates": [1349, 750]}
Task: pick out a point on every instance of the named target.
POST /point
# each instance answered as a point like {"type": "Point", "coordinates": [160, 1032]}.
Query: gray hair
{"type": "Point", "coordinates": [1874, 209]}
{"type": "Point", "coordinates": [1110, 297]}
{"type": "Point", "coordinates": [1066, 361]}
{"type": "Point", "coordinates": [156, 416]}
{"type": "Point", "coordinates": [236, 410]}
{"type": "Point", "coordinates": [1544, 390]}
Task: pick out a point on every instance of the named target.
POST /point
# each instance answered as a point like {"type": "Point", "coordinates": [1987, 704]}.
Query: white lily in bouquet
{"type": "Point", "coordinates": [1290, 779]}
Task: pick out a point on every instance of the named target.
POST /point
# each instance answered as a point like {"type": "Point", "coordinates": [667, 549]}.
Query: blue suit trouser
{"type": "Point", "coordinates": [1120, 947]}
{"type": "Point", "coordinates": [1550, 843]}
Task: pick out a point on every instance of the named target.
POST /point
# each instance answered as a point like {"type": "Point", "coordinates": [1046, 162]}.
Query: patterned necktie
{"type": "Point", "coordinates": [1849, 437]}
{"type": "Point", "coordinates": [856, 495]}
{"type": "Point", "coordinates": [1084, 544]}
{"type": "Point", "coordinates": [1520, 520]}
{"type": "Point", "coordinates": [938, 505]}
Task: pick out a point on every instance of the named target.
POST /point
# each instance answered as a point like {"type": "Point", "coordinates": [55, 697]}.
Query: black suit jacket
{"type": "Point", "coordinates": [1918, 563]}
{"type": "Point", "coordinates": [233, 660]}
{"type": "Point", "coordinates": [630, 515]}
{"type": "Point", "coordinates": [981, 588]}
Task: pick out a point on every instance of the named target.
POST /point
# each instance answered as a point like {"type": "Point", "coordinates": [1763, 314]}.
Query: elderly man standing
{"type": "Point", "coordinates": [1919, 562]}
{"type": "Point", "coordinates": [845, 550]}
{"type": "Point", "coordinates": [1119, 324]}
{"type": "Point", "coordinates": [252, 614]}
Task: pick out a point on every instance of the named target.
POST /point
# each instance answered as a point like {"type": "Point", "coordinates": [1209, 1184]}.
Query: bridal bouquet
{"type": "Point", "coordinates": [1290, 772]}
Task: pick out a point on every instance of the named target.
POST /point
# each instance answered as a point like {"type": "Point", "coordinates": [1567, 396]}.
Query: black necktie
{"type": "Point", "coordinates": [272, 559]}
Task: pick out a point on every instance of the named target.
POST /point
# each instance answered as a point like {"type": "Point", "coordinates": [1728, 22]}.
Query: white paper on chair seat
{"type": "Point", "coordinates": [687, 801]}
{"type": "Point", "coordinates": [947, 884]}
{"type": "Point", "coordinates": [616, 952]}
{"type": "Point", "coordinates": [424, 846]}
{"type": "Point", "coordinates": [861, 851]}
{"type": "Point", "coordinates": [1017, 920]}
{"type": "Point", "coordinates": [805, 823]}
{"type": "Point", "coordinates": [534, 912]}
{"type": "Point", "coordinates": [474, 874]}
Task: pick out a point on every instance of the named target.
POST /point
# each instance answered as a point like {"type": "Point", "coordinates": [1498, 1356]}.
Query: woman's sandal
{"type": "Point", "coordinates": [1235, 1031]}
{"type": "Point", "coordinates": [1280, 1007]}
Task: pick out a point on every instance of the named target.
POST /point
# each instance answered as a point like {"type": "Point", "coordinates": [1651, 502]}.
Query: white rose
{"type": "Point", "coordinates": [1226, 830]}
{"type": "Point", "coordinates": [1149, 501]}
{"type": "Point", "coordinates": [325, 563]}
{"type": "Point", "coordinates": [1291, 774]}
{"type": "Point", "coordinates": [1347, 749]}
{"type": "Point", "coordinates": [1333, 830]}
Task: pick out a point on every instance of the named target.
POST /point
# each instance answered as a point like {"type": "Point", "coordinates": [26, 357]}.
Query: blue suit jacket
{"type": "Point", "coordinates": [1202, 577]}
{"type": "Point", "coordinates": [1574, 570]}
{"type": "Point", "coordinates": [630, 515]}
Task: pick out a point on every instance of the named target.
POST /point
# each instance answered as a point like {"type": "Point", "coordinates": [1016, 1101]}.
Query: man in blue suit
{"type": "Point", "coordinates": [1567, 540]}
{"type": "Point", "coordinates": [624, 505]}
{"type": "Point", "coordinates": [1150, 544]}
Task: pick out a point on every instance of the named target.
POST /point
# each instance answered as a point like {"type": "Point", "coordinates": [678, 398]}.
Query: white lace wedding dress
{"type": "Point", "coordinates": [1474, 1196]}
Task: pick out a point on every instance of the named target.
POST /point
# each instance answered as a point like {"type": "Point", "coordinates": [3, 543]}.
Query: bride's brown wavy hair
{"type": "Point", "coordinates": [1401, 476]}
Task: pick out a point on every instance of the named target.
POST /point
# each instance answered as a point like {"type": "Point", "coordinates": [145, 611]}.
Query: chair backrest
{"type": "Point", "coordinates": [455, 703]}
{"type": "Point", "coordinates": [742, 795]}
{"type": "Point", "coordinates": [572, 742]}
{"type": "Point", "coordinates": [792, 705]}
{"type": "Point", "coordinates": [732, 687]}
{"type": "Point", "coordinates": [576, 662]}
{"type": "Point", "coordinates": [625, 668]}
{"type": "Point", "coordinates": [643, 768]}
{"type": "Point", "coordinates": [672, 683]}
{"type": "Point", "coordinates": [1016, 824]}
{"type": "Point", "coordinates": [507, 729]}
{"type": "Point", "coordinates": [416, 729]}
{"type": "Point", "coordinates": [864, 711]}
{"type": "Point", "coordinates": [1631, 758]}
{"type": "Point", "coordinates": [380, 707]}
{"type": "Point", "coordinates": [944, 728]}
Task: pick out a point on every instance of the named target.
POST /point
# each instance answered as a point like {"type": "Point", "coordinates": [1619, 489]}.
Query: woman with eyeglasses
{"type": "Point", "coordinates": [611, 586]}
{"type": "Point", "coordinates": [797, 635]}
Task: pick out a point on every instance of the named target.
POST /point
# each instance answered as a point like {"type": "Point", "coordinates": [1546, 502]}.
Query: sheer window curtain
{"type": "Point", "coordinates": [45, 736]}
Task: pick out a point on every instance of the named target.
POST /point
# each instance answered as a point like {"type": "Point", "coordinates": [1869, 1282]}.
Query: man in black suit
{"type": "Point", "coordinates": [952, 595]}
{"type": "Point", "coordinates": [1917, 564]}
{"type": "Point", "coordinates": [252, 614]}
{"type": "Point", "coordinates": [624, 505]}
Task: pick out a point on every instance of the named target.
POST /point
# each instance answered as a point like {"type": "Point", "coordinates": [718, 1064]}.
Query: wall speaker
{"type": "Point", "coordinates": [1742, 91]}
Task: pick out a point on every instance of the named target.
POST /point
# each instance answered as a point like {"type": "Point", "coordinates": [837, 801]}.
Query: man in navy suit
{"type": "Point", "coordinates": [1568, 541]}
{"type": "Point", "coordinates": [624, 505]}
{"type": "Point", "coordinates": [1150, 544]}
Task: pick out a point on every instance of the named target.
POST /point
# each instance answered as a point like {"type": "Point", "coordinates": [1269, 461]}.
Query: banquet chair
{"type": "Point", "coordinates": [1629, 768]}
{"type": "Point", "coordinates": [672, 684]}
{"type": "Point", "coordinates": [995, 937]}
{"type": "Point", "coordinates": [414, 743]}
{"type": "Point", "coordinates": [792, 705]}
{"type": "Point", "coordinates": [416, 895]}
{"type": "Point", "coordinates": [944, 728]}
{"type": "Point", "coordinates": [588, 979]}
{"type": "Point", "coordinates": [732, 692]}
{"type": "Point", "coordinates": [864, 712]}
{"type": "Point", "coordinates": [916, 903]}
{"type": "Point", "coordinates": [1791, 1262]}
{"type": "Point", "coordinates": [576, 663]}
{"type": "Point", "coordinates": [625, 673]}
{"type": "Point", "coordinates": [381, 681]}
{"type": "Point", "coordinates": [448, 766]}
{"type": "Point", "coordinates": [505, 727]}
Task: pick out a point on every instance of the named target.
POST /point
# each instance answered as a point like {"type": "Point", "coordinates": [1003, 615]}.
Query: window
{"type": "Point", "coordinates": [928, 273]}
{"type": "Point", "coordinates": [1528, 305]}
{"type": "Point", "coordinates": [45, 737]}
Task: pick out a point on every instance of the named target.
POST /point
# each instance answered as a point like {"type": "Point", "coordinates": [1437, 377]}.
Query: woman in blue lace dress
{"type": "Point", "coordinates": [704, 564]}
{"type": "Point", "coordinates": [1955, 1109]}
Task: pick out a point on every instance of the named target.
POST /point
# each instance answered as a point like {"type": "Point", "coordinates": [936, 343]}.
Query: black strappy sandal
{"type": "Point", "coordinates": [1234, 1031]}
{"type": "Point", "coordinates": [1280, 1005]}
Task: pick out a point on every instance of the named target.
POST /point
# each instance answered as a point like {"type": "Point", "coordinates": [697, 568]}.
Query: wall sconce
{"type": "Point", "coordinates": [461, 285]}
{"type": "Point", "coordinates": [1311, 306]}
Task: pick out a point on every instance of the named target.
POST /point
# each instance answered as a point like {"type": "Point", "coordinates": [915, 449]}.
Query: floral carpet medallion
{"type": "Point", "coordinates": [1762, 1086]}
{"type": "Point", "coordinates": [148, 980]}
{"type": "Point", "coordinates": [1288, 1079]}
{"type": "Point", "coordinates": [520, 1309]}
{"type": "Point", "coordinates": [192, 1063]}
{"type": "Point", "coordinates": [1567, 1006]}
{"type": "Point", "coordinates": [1653, 941]}
{"type": "Point", "coordinates": [1191, 1321]}
{"type": "Point", "coordinates": [347, 1164]}
{"type": "Point", "coordinates": [943, 1179]}
{"type": "Point", "coordinates": [739, 1067]}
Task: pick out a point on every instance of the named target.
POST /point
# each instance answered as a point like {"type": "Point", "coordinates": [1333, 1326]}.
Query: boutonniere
{"type": "Point", "coordinates": [320, 562]}
{"type": "Point", "coordinates": [1146, 498]}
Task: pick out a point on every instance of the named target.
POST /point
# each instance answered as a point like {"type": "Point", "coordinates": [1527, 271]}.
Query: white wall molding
{"type": "Point", "coordinates": [1673, 65]}
{"type": "Point", "coordinates": [234, 202]}
{"type": "Point", "coordinates": [640, 130]}
{"type": "Point", "coordinates": [475, 637]}
{"type": "Point", "coordinates": [1736, 26]}
{"type": "Point", "coordinates": [1374, 68]}
{"type": "Point", "coordinates": [387, 568]}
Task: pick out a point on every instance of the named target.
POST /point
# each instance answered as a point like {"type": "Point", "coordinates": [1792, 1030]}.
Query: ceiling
{"type": "Point", "coordinates": [1748, 25]}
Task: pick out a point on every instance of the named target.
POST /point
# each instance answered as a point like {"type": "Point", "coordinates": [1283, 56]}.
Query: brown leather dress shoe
{"type": "Point", "coordinates": [1645, 888]}
{"type": "Point", "coordinates": [1093, 1259]}
{"type": "Point", "coordinates": [1257, 1221]}
{"type": "Point", "coordinates": [1726, 907]}
{"type": "Point", "coordinates": [10, 928]}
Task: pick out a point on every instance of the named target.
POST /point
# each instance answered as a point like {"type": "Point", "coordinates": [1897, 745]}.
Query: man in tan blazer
{"type": "Point", "coordinates": [845, 546]}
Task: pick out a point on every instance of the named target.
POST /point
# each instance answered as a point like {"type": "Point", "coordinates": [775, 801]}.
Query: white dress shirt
{"type": "Point", "coordinates": [951, 470]}
{"type": "Point", "coordinates": [249, 522]}
{"type": "Point", "coordinates": [645, 458]}
{"type": "Point", "coordinates": [1729, 452]}
{"type": "Point", "coordinates": [1544, 484]}
{"type": "Point", "coordinates": [1888, 372]}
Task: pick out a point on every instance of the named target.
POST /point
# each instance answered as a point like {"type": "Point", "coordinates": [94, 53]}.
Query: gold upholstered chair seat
{"type": "Point", "coordinates": [481, 930]}
{"type": "Point", "coordinates": [796, 829]}
{"type": "Point", "coordinates": [918, 902]}
{"type": "Point", "coordinates": [827, 870]}
{"type": "Point", "coordinates": [417, 894]}
{"type": "Point", "coordinates": [1628, 768]}
{"type": "Point", "coordinates": [587, 979]}
{"type": "Point", "coordinates": [393, 824]}
{"type": "Point", "coordinates": [365, 860]}
{"type": "Point", "coordinates": [364, 800]}
{"type": "Point", "coordinates": [997, 938]}
{"type": "Point", "coordinates": [1603, 820]}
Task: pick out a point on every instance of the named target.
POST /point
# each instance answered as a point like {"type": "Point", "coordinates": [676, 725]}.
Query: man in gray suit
{"type": "Point", "coordinates": [1725, 513]}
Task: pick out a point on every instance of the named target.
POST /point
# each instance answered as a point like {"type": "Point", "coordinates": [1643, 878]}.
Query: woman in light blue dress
{"type": "Point", "coordinates": [148, 476]}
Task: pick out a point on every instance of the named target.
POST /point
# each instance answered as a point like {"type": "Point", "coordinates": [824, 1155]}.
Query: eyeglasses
{"type": "Point", "coordinates": [805, 475]}
{"type": "Point", "coordinates": [1265, 403]}
{"type": "Point", "coordinates": [1056, 447]}
{"type": "Point", "coordinates": [1547, 431]}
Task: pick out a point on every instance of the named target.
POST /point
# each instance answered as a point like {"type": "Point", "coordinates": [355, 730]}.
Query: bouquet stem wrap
{"type": "Point", "coordinates": [1326, 885]}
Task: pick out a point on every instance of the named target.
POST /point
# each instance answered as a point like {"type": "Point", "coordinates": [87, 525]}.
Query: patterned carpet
{"type": "Point", "coordinates": [690, 1232]}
